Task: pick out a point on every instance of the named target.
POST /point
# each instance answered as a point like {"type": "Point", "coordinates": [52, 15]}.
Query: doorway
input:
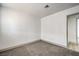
{"type": "Point", "coordinates": [78, 30]}
{"type": "Point", "coordinates": [73, 32]}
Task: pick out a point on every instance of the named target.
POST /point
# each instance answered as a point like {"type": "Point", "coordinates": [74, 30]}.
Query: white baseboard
{"type": "Point", "coordinates": [58, 45]}
{"type": "Point", "coordinates": [19, 45]}
{"type": "Point", "coordinates": [54, 43]}
{"type": "Point", "coordinates": [22, 44]}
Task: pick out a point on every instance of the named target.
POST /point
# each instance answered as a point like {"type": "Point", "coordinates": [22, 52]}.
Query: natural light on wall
{"type": "Point", "coordinates": [12, 25]}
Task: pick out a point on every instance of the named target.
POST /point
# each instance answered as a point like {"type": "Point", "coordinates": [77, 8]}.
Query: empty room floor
{"type": "Point", "coordinates": [39, 48]}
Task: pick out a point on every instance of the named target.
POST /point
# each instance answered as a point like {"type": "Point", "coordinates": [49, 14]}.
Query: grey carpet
{"type": "Point", "coordinates": [39, 48]}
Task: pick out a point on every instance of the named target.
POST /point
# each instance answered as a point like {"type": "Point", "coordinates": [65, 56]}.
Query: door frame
{"type": "Point", "coordinates": [67, 28]}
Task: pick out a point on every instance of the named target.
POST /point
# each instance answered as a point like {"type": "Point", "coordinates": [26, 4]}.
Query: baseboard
{"type": "Point", "coordinates": [54, 43]}
{"type": "Point", "coordinates": [9, 48]}
{"type": "Point", "coordinates": [19, 45]}
{"type": "Point", "coordinates": [58, 45]}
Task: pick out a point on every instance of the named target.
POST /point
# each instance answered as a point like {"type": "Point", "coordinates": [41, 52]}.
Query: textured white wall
{"type": "Point", "coordinates": [18, 28]}
{"type": "Point", "coordinates": [54, 26]}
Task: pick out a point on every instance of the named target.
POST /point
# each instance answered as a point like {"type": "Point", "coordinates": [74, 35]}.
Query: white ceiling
{"type": "Point", "coordinates": [37, 9]}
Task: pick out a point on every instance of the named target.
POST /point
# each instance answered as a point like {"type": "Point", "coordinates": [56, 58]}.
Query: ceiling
{"type": "Point", "coordinates": [38, 9]}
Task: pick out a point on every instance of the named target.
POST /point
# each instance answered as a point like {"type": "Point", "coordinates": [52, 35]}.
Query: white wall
{"type": "Point", "coordinates": [54, 26]}
{"type": "Point", "coordinates": [18, 28]}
